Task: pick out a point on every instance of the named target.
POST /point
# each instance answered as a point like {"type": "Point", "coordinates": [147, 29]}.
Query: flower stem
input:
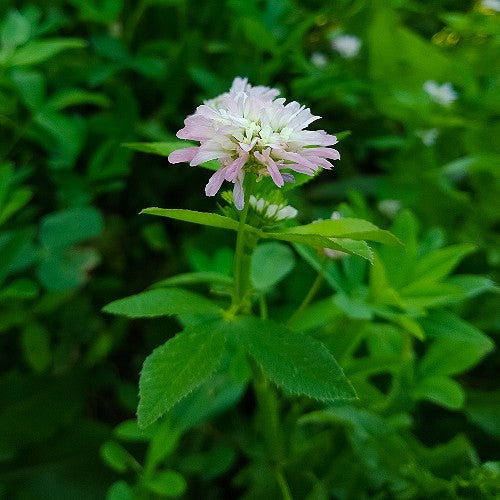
{"type": "Point", "coordinates": [265, 394]}
{"type": "Point", "coordinates": [245, 243]}
{"type": "Point", "coordinates": [239, 272]}
{"type": "Point", "coordinates": [268, 422]}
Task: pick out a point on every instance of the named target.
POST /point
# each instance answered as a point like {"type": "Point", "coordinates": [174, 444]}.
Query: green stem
{"type": "Point", "coordinates": [315, 287]}
{"type": "Point", "coordinates": [133, 20]}
{"type": "Point", "coordinates": [239, 272]}
{"type": "Point", "coordinates": [285, 489]}
{"type": "Point", "coordinates": [265, 394]}
{"type": "Point", "coordinates": [263, 306]}
{"type": "Point", "coordinates": [269, 424]}
{"type": "Point", "coordinates": [267, 413]}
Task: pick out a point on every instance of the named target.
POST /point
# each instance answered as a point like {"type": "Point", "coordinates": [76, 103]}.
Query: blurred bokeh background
{"type": "Point", "coordinates": [417, 85]}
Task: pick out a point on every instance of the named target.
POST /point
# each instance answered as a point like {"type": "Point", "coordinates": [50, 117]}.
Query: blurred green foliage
{"type": "Point", "coordinates": [413, 331]}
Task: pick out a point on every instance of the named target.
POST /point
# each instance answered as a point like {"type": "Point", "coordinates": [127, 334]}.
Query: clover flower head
{"type": "Point", "coordinates": [443, 94]}
{"type": "Point", "coordinates": [491, 5]}
{"type": "Point", "coordinates": [249, 129]}
{"type": "Point", "coordinates": [348, 46]}
{"type": "Point", "coordinates": [275, 212]}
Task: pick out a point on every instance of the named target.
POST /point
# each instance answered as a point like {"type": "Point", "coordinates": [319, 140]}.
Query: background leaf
{"type": "Point", "coordinates": [271, 262]}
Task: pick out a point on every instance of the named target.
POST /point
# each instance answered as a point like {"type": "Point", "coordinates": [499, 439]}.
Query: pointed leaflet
{"type": "Point", "coordinates": [162, 302]}
{"type": "Point", "coordinates": [38, 51]}
{"type": "Point", "coordinates": [353, 247]}
{"type": "Point", "coordinates": [177, 367]}
{"type": "Point", "coordinates": [203, 218]}
{"type": "Point", "coordinates": [295, 362]}
{"type": "Point", "coordinates": [196, 278]}
{"type": "Point", "coordinates": [457, 345]}
{"type": "Point", "coordinates": [355, 229]}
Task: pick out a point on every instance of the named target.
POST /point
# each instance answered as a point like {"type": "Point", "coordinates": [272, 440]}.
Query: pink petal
{"type": "Point", "coordinates": [215, 182]}
{"type": "Point", "coordinates": [238, 194]}
{"type": "Point", "coordinates": [275, 173]}
{"type": "Point", "coordinates": [185, 154]}
{"type": "Point", "coordinates": [272, 168]}
{"type": "Point", "coordinates": [322, 162]}
{"type": "Point", "coordinates": [322, 152]}
{"type": "Point", "coordinates": [235, 167]}
{"type": "Point", "coordinates": [297, 158]}
{"type": "Point", "coordinates": [205, 155]}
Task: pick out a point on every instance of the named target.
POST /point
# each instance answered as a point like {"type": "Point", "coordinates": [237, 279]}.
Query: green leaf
{"type": "Point", "coordinates": [31, 86]}
{"type": "Point", "coordinates": [65, 269]}
{"type": "Point", "coordinates": [441, 390]}
{"type": "Point", "coordinates": [116, 456]}
{"type": "Point", "coordinates": [271, 262]}
{"type": "Point", "coordinates": [362, 421]}
{"type": "Point", "coordinates": [177, 367]}
{"type": "Point", "coordinates": [62, 229]}
{"type": "Point", "coordinates": [21, 289]}
{"type": "Point", "coordinates": [168, 483]}
{"type": "Point", "coordinates": [165, 148]}
{"type": "Point", "coordinates": [429, 294]}
{"type": "Point", "coordinates": [354, 307]}
{"type": "Point", "coordinates": [457, 346]}
{"type": "Point", "coordinates": [258, 35]}
{"type": "Point", "coordinates": [203, 218]}
{"type": "Point", "coordinates": [355, 229]}
{"type": "Point", "coordinates": [36, 347]}
{"type": "Point", "coordinates": [295, 362]}
{"type": "Point", "coordinates": [380, 290]}
{"type": "Point", "coordinates": [482, 409]}
{"type": "Point", "coordinates": [162, 443]}
{"type": "Point", "coordinates": [63, 136]}
{"type": "Point", "coordinates": [197, 278]}
{"type": "Point", "coordinates": [473, 285]}
{"type": "Point", "coordinates": [6, 181]}
{"type": "Point", "coordinates": [77, 97]}
{"type": "Point", "coordinates": [18, 199]}
{"type": "Point", "coordinates": [440, 263]}
{"type": "Point", "coordinates": [162, 302]}
{"type": "Point", "coordinates": [130, 431]}
{"type": "Point", "coordinates": [353, 247]}
{"type": "Point", "coordinates": [16, 30]}
{"type": "Point", "coordinates": [39, 51]}
{"type": "Point", "coordinates": [120, 490]}
{"type": "Point", "coordinates": [10, 250]}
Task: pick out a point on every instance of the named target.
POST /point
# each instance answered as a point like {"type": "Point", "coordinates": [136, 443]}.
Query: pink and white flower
{"type": "Point", "coordinates": [250, 129]}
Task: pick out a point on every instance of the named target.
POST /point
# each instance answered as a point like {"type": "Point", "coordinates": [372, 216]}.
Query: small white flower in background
{"type": "Point", "coordinates": [329, 252]}
{"type": "Point", "coordinates": [348, 46]}
{"type": "Point", "coordinates": [272, 210]}
{"type": "Point", "coordinates": [249, 130]}
{"type": "Point", "coordinates": [389, 208]}
{"type": "Point", "coordinates": [428, 136]}
{"type": "Point", "coordinates": [443, 94]}
{"type": "Point", "coordinates": [319, 59]}
{"type": "Point", "coordinates": [491, 4]}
